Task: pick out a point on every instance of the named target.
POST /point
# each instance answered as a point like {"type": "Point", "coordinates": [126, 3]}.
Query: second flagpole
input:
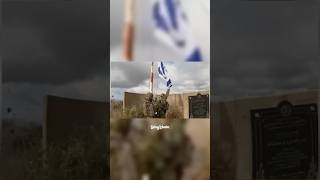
{"type": "Point", "coordinates": [128, 31]}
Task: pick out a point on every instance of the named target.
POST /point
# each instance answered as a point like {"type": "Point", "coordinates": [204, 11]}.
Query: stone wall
{"type": "Point", "coordinates": [70, 118]}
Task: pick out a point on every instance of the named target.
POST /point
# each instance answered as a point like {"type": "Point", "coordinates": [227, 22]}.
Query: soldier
{"type": "Point", "coordinates": [148, 105]}
{"type": "Point", "coordinates": [156, 107]}
{"type": "Point", "coordinates": [161, 105]}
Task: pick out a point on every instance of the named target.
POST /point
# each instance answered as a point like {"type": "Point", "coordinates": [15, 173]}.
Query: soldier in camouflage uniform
{"type": "Point", "coordinates": [149, 105]}
{"type": "Point", "coordinates": [158, 106]}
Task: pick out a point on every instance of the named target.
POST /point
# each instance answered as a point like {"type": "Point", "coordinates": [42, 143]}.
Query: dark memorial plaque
{"type": "Point", "coordinates": [285, 142]}
{"type": "Point", "coordinates": [199, 106]}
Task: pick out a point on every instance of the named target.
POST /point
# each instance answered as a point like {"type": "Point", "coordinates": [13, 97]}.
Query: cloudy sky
{"type": "Point", "coordinates": [262, 47]}
{"type": "Point", "coordinates": [61, 47]}
{"type": "Point", "coordinates": [147, 48]}
{"type": "Point", "coordinates": [52, 47]}
{"type": "Point", "coordinates": [134, 77]}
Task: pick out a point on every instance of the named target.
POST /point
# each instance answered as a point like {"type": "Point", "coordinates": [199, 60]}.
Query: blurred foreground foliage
{"type": "Point", "coordinates": [136, 152]}
{"type": "Point", "coordinates": [76, 159]}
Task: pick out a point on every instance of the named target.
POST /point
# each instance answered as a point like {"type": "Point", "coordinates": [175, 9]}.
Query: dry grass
{"type": "Point", "coordinates": [116, 109]}
{"type": "Point", "coordinates": [76, 159]}
{"type": "Point", "coordinates": [118, 112]}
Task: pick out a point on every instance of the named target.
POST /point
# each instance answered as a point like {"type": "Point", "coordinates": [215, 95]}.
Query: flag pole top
{"type": "Point", "coordinates": [128, 31]}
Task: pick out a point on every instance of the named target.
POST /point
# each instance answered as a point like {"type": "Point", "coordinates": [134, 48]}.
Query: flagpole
{"type": "Point", "coordinates": [151, 79]}
{"type": "Point", "coordinates": [155, 82]}
{"type": "Point", "coordinates": [128, 33]}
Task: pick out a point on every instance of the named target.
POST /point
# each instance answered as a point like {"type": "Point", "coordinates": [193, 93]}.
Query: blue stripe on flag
{"type": "Point", "coordinates": [169, 20]}
{"type": "Point", "coordinates": [195, 56]}
{"type": "Point", "coordinates": [160, 21]}
{"type": "Point", "coordinates": [163, 68]}
{"type": "Point", "coordinates": [169, 84]}
{"type": "Point", "coordinates": [172, 12]}
{"type": "Point", "coordinates": [160, 72]}
{"type": "Point", "coordinates": [163, 74]}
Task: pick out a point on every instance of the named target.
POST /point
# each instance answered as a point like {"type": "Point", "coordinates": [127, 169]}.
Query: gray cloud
{"type": "Point", "coordinates": [127, 75]}
{"type": "Point", "coordinates": [53, 47]}
{"type": "Point", "coordinates": [185, 76]}
{"type": "Point", "coordinates": [264, 47]}
{"type": "Point", "coordinates": [55, 41]}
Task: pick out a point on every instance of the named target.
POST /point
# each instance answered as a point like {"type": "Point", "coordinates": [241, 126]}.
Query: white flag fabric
{"type": "Point", "coordinates": [172, 28]}
{"type": "Point", "coordinates": [163, 73]}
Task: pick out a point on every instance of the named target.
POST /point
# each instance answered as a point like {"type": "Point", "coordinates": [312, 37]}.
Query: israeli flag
{"type": "Point", "coordinates": [172, 28]}
{"type": "Point", "coordinates": [163, 73]}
